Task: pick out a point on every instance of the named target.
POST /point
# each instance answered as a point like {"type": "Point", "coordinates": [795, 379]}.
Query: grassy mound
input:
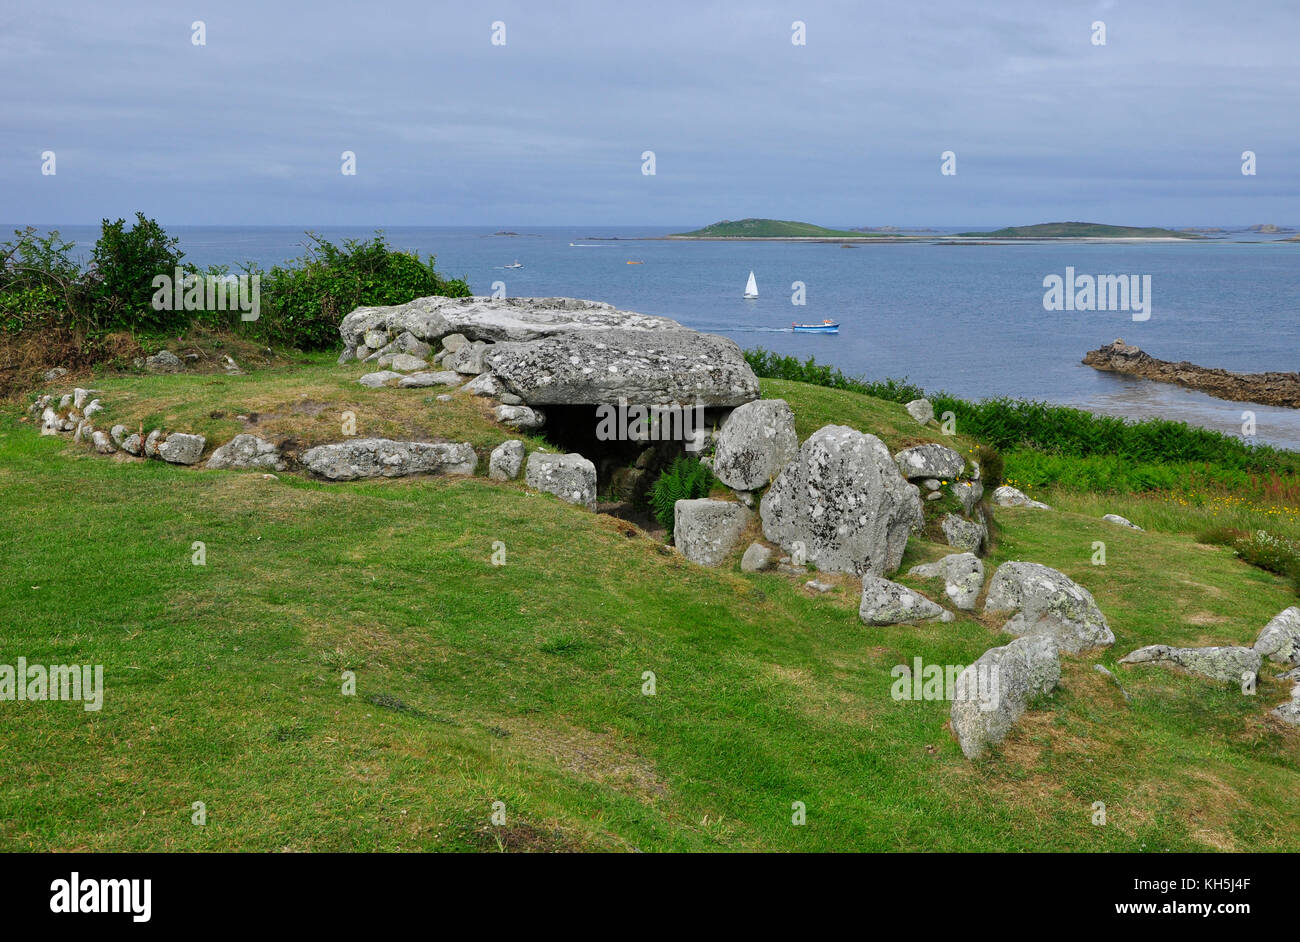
{"type": "Point", "coordinates": [770, 229]}
{"type": "Point", "coordinates": [523, 683]}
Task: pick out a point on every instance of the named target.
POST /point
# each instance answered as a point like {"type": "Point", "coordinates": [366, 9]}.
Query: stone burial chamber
{"type": "Point", "coordinates": [628, 391]}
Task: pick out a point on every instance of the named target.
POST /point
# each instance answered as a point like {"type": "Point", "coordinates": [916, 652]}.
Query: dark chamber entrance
{"type": "Point", "coordinates": [625, 467]}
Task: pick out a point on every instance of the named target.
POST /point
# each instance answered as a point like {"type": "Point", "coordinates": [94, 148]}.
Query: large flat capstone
{"type": "Point", "coordinates": [562, 351]}
{"type": "Point", "coordinates": [646, 367]}
{"type": "Point", "coordinates": [494, 319]}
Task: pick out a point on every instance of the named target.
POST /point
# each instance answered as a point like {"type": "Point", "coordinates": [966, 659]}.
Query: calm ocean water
{"type": "Point", "coordinates": [966, 319]}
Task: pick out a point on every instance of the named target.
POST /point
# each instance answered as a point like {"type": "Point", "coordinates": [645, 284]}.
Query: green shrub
{"type": "Point", "coordinates": [992, 467]}
{"type": "Point", "coordinates": [773, 366]}
{"type": "Point", "coordinates": [40, 282]}
{"type": "Point", "coordinates": [684, 479]}
{"type": "Point", "coordinates": [124, 263]}
{"type": "Point", "coordinates": [1219, 536]}
{"type": "Point", "coordinates": [42, 285]}
{"type": "Point", "coordinates": [302, 303]}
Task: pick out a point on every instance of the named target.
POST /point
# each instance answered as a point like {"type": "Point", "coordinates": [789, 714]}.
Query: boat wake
{"type": "Point", "coordinates": [742, 329]}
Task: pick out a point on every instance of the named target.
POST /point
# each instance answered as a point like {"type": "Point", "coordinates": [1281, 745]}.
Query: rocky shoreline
{"type": "Point", "coordinates": [1270, 389]}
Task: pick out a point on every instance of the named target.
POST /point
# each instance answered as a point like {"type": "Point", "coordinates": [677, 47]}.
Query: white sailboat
{"type": "Point", "coordinates": [751, 287]}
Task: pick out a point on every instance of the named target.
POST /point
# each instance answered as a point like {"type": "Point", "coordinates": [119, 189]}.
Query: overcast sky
{"type": "Point", "coordinates": [449, 129]}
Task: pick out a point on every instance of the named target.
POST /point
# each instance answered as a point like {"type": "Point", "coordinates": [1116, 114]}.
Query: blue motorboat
{"type": "Point", "coordinates": [825, 327]}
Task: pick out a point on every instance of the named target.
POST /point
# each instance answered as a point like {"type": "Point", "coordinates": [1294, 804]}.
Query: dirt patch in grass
{"type": "Point", "coordinates": [1038, 731]}
{"type": "Point", "coordinates": [790, 675]}
{"type": "Point", "coordinates": [522, 838]}
{"type": "Point", "coordinates": [1212, 591]}
{"type": "Point", "coordinates": [599, 757]}
{"type": "Point", "coordinates": [1208, 807]}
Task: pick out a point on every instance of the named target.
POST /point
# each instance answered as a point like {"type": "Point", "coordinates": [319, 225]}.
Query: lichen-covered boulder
{"type": "Point", "coordinates": [382, 457]}
{"type": "Point", "coordinates": [842, 505]}
{"type": "Point", "coordinates": [1233, 665]}
{"type": "Point", "coordinates": [406, 362]}
{"type": "Point", "coordinates": [425, 378]}
{"type": "Point", "coordinates": [485, 385]}
{"type": "Point", "coordinates": [103, 444]}
{"type": "Point", "coordinates": [888, 603]}
{"type": "Point", "coordinates": [968, 493]}
{"type": "Point", "coordinates": [1289, 712]}
{"type": "Point", "coordinates": [921, 410]}
{"type": "Point", "coordinates": [757, 558]}
{"type": "Point", "coordinates": [520, 418]}
{"type": "Point", "coordinates": [1008, 496]}
{"type": "Point", "coordinates": [407, 342]}
{"type": "Point", "coordinates": [493, 319]}
{"type": "Point", "coordinates": [247, 451]}
{"type": "Point", "coordinates": [705, 531]}
{"type": "Point", "coordinates": [965, 535]}
{"type": "Point", "coordinates": [756, 441]}
{"type": "Point", "coordinates": [181, 448]}
{"type": "Point", "coordinates": [962, 574]}
{"type": "Point", "coordinates": [569, 477]}
{"type": "Point", "coordinates": [647, 367]}
{"type": "Point", "coordinates": [931, 460]}
{"type": "Point", "coordinates": [1122, 521]}
{"type": "Point", "coordinates": [563, 351]}
{"type": "Point", "coordinates": [468, 358]}
{"type": "Point", "coordinates": [994, 692]}
{"type": "Point", "coordinates": [164, 361]}
{"type": "Point", "coordinates": [1047, 602]}
{"type": "Point", "coordinates": [1280, 639]}
{"type": "Point", "coordinates": [506, 460]}
{"type": "Point", "coordinates": [381, 378]}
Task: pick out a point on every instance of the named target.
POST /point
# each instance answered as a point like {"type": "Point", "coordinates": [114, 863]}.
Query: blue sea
{"type": "Point", "coordinates": [967, 319]}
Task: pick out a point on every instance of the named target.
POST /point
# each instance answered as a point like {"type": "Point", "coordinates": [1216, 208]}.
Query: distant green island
{"type": "Point", "coordinates": [770, 229]}
{"type": "Point", "coordinates": [1079, 230]}
{"type": "Point", "coordinates": [754, 228]}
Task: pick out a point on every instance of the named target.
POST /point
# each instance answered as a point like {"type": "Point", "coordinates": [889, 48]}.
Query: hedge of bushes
{"type": "Point", "coordinates": [43, 286]}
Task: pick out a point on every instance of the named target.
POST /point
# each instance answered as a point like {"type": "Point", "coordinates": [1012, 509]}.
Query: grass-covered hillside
{"type": "Point", "coordinates": [770, 229]}
{"type": "Point", "coordinates": [523, 683]}
{"type": "Point", "coordinates": [1081, 230]}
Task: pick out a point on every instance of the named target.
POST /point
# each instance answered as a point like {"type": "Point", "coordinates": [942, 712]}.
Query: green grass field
{"type": "Point", "coordinates": [523, 683]}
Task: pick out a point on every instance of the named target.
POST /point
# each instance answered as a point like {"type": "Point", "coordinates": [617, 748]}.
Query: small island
{"type": "Point", "coordinates": [785, 230]}
{"type": "Point", "coordinates": [1079, 230]}
{"type": "Point", "coordinates": [771, 229]}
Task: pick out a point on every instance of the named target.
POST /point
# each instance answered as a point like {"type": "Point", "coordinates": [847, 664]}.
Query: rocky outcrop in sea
{"type": "Point", "coordinates": [1270, 389]}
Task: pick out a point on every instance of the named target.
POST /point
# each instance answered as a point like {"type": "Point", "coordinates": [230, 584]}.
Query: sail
{"type": "Point", "coordinates": [751, 287]}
